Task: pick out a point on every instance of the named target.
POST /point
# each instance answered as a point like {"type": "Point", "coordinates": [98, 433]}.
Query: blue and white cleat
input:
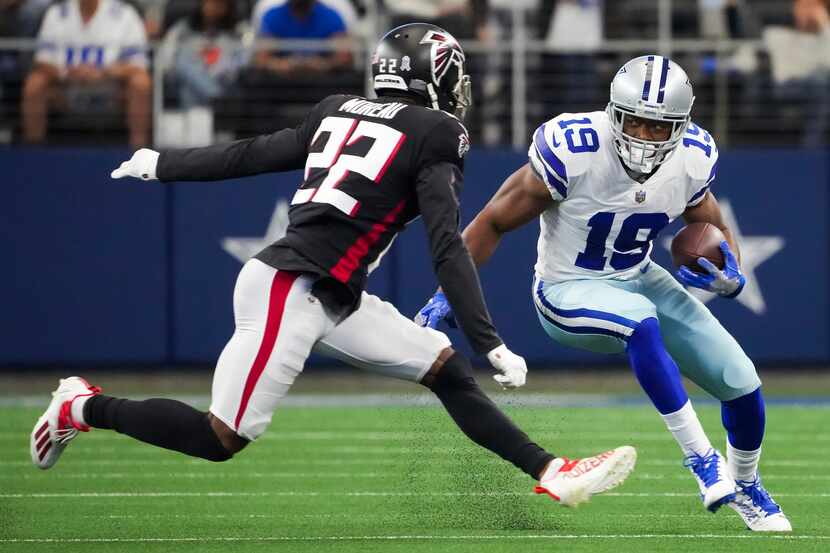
{"type": "Point", "coordinates": [757, 508]}
{"type": "Point", "coordinates": [716, 485]}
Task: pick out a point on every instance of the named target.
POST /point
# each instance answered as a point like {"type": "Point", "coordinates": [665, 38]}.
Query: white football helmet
{"type": "Point", "coordinates": [652, 87]}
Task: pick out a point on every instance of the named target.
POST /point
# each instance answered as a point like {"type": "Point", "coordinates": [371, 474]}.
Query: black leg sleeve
{"type": "Point", "coordinates": [482, 421]}
{"type": "Point", "coordinates": [162, 422]}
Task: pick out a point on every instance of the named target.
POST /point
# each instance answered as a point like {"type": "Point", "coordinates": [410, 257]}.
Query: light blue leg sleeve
{"type": "Point", "coordinates": [703, 349]}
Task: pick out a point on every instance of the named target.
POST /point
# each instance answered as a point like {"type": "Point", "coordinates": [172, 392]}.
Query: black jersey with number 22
{"type": "Point", "coordinates": [370, 167]}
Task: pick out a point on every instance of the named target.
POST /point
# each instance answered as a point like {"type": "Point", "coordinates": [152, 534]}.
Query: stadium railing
{"type": "Point", "coordinates": [742, 97]}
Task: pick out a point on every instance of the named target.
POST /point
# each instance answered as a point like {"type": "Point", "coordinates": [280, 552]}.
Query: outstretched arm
{"type": "Point", "coordinates": [283, 150]}
{"type": "Point", "coordinates": [708, 211]}
{"type": "Point", "coordinates": [521, 198]}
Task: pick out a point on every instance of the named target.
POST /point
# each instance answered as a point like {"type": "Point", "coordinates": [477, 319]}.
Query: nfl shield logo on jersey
{"type": "Point", "coordinates": [640, 196]}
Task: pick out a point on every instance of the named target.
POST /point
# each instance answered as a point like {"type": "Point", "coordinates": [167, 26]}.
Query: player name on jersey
{"type": "Point", "coordinates": [368, 108]}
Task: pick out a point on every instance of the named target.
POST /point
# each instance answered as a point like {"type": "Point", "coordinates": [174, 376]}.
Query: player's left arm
{"type": "Point", "coordinates": [708, 211]}
{"type": "Point", "coordinates": [728, 281]}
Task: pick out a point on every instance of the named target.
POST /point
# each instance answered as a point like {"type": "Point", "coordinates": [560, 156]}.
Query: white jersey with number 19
{"type": "Point", "coordinates": [604, 222]}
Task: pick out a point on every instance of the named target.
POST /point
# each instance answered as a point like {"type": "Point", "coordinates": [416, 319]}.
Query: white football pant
{"type": "Point", "coordinates": [279, 322]}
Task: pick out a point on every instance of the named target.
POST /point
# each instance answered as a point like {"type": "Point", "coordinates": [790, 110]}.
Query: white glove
{"type": "Point", "coordinates": [512, 367]}
{"type": "Point", "coordinates": [141, 166]}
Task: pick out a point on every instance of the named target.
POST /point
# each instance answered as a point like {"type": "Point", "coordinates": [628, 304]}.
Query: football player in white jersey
{"type": "Point", "coordinates": [604, 184]}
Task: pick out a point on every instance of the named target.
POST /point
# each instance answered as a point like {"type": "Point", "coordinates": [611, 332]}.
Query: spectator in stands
{"type": "Point", "coordinates": [204, 52]}
{"type": "Point", "coordinates": [813, 16]}
{"type": "Point", "coordinates": [464, 19]}
{"type": "Point", "coordinates": [297, 20]}
{"type": "Point", "coordinates": [568, 79]}
{"type": "Point", "coordinates": [346, 9]}
{"type": "Point", "coordinates": [284, 83]}
{"type": "Point", "coordinates": [89, 44]}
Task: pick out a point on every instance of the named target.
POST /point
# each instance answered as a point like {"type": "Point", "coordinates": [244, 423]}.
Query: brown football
{"type": "Point", "coordinates": [697, 240]}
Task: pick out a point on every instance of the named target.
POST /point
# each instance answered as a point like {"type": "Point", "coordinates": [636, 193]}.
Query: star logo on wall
{"type": "Point", "coordinates": [244, 248]}
{"type": "Point", "coordinates": [755, 250]}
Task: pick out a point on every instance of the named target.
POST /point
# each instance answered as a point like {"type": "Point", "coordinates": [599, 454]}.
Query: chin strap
{"type": "Point", "coordinates": [433, 96]}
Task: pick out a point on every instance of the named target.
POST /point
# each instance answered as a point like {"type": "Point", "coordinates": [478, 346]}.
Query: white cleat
{"type": "Point", "coordinates": [55, 427]}
{"type": "Point", "coordinates": [757, 508]}
{"type": "Point", "coordinates": [576, 480]}
{"type": "Point", "coordinates": [716, 486]}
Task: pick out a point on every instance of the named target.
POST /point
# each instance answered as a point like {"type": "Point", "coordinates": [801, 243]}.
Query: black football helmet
{"type": "Point", "coordinates": [425, 60]}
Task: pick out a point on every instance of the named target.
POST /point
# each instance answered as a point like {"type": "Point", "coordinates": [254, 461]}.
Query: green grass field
{"type": "Point", "coordinates": [398, 479]}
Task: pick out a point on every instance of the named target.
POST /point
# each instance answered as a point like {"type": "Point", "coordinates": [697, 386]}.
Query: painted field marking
{"type": "Point", "coordinates": [349, 516]}
{"type": "Point", "coordinates": [80, 495]}
{"type": "Point", "coordinates": [396, 435]}
{"type": "Point", "coordinates": [420, 399]}
{"type": "Point", "coordinates": [231, 539]}
{"type": "Point", "coordinates": [368, 475]}
{"type": "Point", "coordinates": [367, 461]}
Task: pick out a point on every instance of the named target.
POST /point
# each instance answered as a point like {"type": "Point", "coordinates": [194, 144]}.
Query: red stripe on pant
{"type": "Point", "coordinates": [280, 287]}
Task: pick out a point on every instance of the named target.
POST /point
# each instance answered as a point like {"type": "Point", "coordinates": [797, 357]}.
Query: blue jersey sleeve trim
{"type": "Point", "coordinates": [551, 178]}
{"type": "Point", "coordinates": [551, 161]}
{"type": "Point", "coordinates": [130, 52]}
{"type": "Point", "coordinates": [713, 173]}
{"type": "Point", "coordinates": [698, 195]}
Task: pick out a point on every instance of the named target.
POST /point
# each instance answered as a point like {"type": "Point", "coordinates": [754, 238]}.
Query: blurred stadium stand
{"type": "Point", "coordinates": [529, 60]}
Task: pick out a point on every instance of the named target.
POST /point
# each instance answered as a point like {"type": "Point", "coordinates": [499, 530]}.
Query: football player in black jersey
{"type": "Point", "coordinates": [371, 166]}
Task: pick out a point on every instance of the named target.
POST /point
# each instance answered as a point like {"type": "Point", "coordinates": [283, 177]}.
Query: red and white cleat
{"type": "Point", "coordinates": [571, 482]}
{"type": "Point", "coordinates": [55, 428]}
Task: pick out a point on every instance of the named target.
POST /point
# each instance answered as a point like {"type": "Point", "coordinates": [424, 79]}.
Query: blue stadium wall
{"type": "Point", "coordinates": [109, 272]}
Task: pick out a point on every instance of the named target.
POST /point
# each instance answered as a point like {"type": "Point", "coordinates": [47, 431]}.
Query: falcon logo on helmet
{"type": "Point", "coordinates": [445, 52]}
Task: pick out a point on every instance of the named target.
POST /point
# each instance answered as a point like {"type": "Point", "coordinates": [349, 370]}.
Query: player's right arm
{"type": "Point", "coordinates": [525, 194]}
{"type": "Point", "coordinates": [519, 200]}
{"type": "Point", "coordinates": [284, 150]}
{"type": "Point", "coordinates": [437, 185]}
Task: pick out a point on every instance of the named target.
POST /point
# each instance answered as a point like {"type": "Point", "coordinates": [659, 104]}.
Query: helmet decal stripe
{"type": "Point", "coordinates": [663, 74]}
{"type": "Point", "coordinates": [649, 71]}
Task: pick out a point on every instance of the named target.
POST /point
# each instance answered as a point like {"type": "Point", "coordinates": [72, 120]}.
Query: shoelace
{"type": "Point", "coordinates": [705, 467]}
{"type": "Point", "coordinates": [759, 496]}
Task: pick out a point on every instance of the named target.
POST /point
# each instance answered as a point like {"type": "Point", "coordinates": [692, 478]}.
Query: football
{"type": "Point", "coordinates": [697, 240]}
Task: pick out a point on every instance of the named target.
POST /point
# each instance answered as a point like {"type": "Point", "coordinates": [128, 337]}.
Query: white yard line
{"type": "Point", "coordinates": [419, 399]}
{"type": "Point", "coordinates": [130, 448]}
{"type": "Point", "coordinates": [366, 475]}
{"type": "Point", "coordinates": [438, 537]}
{"type": "Point", "coordinates": [350, 516]}
{"type": "Point", "coordinates": [395, 435]}
{"type": "Point", "coordinates": [369, 461]}
{"type": "Point", "coordinates": [80, 495]}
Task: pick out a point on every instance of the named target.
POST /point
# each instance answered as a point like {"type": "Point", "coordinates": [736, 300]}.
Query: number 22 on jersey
{"type": "Point", "coordinates": [343, 132]}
